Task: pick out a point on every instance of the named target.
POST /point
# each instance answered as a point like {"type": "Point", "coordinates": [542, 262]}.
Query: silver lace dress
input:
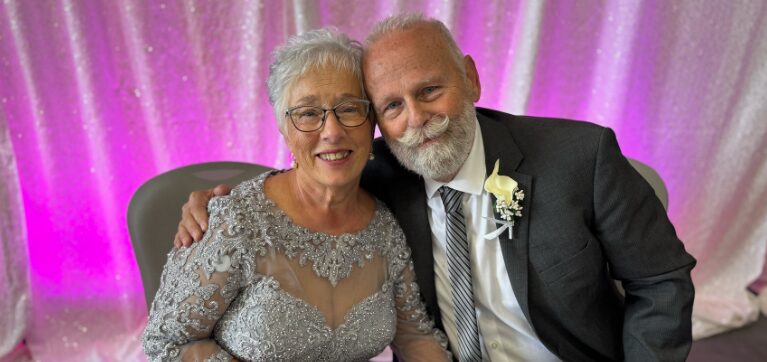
{"type": "Point", "coordinates": [260, 288]}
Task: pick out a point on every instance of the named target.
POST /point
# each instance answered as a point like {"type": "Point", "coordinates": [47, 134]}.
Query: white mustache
{"type": "Point", "coordinates": [433, 128]}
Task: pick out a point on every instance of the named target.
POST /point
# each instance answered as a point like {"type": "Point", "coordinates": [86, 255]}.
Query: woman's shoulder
{"type": "Point", "coordinates": [252, 187]}
{"type": "Point", "coordinates": [244, 196]}
{"type": "Point", "coordinates": [234, 219]}
{"type": "Point", "coordinates": [393, 238]}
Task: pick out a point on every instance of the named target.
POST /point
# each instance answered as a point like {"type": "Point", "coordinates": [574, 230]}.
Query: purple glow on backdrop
{"type": "Point", "coordinates": [100, 97]}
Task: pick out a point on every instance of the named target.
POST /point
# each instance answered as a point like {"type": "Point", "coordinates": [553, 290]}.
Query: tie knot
{"type": "Point", "coordinates": [451, 198]}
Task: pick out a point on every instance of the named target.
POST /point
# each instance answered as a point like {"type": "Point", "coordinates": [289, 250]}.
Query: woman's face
{"type": "Point", "coordinates": [333, 155]}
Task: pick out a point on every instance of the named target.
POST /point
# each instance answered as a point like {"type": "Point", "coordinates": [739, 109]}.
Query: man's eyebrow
{"type": "Point", "coordinates": [384, 99]}
{"type": "Point", "coordinates": [430, 81]}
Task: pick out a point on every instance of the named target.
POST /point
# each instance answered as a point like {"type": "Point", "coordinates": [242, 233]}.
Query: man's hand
{"type": "Point", "coordinates": [194, 215]}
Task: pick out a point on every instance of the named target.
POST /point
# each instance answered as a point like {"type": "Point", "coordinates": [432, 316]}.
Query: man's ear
{"type": "Point", "coordinates": [473, 76]}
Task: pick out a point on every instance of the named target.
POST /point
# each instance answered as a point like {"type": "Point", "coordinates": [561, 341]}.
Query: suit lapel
{"type": "Point", "coordinates": [499, 145]}
{"type": "Point", "coordinates": [425, 254]}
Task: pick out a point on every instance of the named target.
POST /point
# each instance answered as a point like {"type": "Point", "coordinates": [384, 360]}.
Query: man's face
{"type": "Point", "coordinates": [415, 84]}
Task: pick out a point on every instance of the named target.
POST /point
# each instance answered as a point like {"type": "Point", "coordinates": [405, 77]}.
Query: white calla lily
{"type": "Point", "coordinates": [501, 186]}
{"type": "Point", "coordinates": [507, 204]}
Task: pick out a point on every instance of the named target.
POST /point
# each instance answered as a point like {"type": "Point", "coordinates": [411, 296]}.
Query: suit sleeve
{"type": "Point", "coordinates": [646, 255]}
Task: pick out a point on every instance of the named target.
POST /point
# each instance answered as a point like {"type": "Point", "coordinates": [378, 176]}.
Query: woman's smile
{"type": "Point", "coordinates": [335, 156]}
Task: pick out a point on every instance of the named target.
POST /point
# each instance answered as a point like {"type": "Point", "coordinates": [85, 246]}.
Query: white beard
{"type": "Point", "coordinates": [446, 155]}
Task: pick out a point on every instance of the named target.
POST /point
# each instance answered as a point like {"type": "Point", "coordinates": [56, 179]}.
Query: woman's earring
{"type": "Point", "coordinates": [371, 156]}
{"type": "Point", "coordinates": [293, 163]}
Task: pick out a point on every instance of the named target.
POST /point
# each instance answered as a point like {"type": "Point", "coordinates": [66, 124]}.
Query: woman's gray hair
{"type": "Point", "coordinates": [304, 52]}
{"type": "Point", "coordinates": [404, 22]}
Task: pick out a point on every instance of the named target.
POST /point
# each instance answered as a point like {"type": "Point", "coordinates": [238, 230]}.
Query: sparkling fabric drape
{"type": "Point", "coordinates": [98, 96]}
{"type": "Point", "coordinates": [14, 284]}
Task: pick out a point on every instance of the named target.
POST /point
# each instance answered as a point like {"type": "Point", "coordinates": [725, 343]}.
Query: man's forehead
{"type": "Point", "coordinates": [419, 37]}
{"type": "Point", "coordinates": [408, 56]}
{"type": "Point", "coordinates": [399, 58]}
{"type": "Point", "coordinates": [391, 61]}
{"type": "Point", "coordinates": [400, 71]}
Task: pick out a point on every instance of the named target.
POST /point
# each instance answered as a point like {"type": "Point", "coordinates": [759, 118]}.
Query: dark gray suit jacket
{"type": "Point", "coordinates": [588, 218]}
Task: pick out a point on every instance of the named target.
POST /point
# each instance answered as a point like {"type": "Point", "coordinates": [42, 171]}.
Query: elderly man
{"type": "Point", "coordinates": [519, 266]}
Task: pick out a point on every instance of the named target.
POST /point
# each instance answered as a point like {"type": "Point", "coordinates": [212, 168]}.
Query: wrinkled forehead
{"type": "Point", "coordinates": [401, 47]}
{"type": "Point", "coordinates": [403, 58]}
{"type": "Point", "coordinates": [328, 81]}
{"type": "Point", "coordinates": [326, 70]}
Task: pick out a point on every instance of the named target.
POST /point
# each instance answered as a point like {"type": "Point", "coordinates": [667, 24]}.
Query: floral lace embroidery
{"type": "Point", "coordinates": [212, 288]}
{"type": "Point", "coordinates": [220, 356]}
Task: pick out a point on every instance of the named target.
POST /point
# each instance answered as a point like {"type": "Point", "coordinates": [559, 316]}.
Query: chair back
{"type": "Point", "coordinates": [155, 210]}
{"type": "Point", "coordinates": [653, 179]}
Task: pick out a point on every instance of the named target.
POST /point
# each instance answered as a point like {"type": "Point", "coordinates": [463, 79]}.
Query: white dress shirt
{"type": "Point", "coordinates": [505, 333]}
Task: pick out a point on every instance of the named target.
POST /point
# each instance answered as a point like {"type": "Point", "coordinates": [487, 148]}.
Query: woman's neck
{"type": "Point", "coordinates": [322, 198]}
{"type": "Point", "coordinates": [333, 210]}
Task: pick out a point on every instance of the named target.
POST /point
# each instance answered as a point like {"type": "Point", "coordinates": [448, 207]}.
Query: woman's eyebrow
{"type": "Point", "coordinates": [348, 96]}
{"type": "Point", "coordinates": [306, 100]}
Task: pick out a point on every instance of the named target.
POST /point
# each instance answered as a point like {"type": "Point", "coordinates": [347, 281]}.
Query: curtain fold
{"type": "Point", "coordinates": [97, 97]}
{"type": "Point", "coordinates": [14, 282]}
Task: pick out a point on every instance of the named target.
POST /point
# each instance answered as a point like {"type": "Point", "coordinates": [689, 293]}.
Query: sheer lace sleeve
{"type": "Point", "coordinates": [197, 285]}
{"type": "Point", "coordinates": [416, 339]}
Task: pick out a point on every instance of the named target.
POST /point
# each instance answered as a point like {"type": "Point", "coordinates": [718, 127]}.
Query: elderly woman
{"type": "Point", "coordinates": [300, 264]}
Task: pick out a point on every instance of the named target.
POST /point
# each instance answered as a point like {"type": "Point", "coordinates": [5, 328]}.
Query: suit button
{"type": "Point", "coordinates": [494, 345]}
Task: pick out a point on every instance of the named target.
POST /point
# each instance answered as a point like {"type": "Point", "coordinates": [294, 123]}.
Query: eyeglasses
{"type": "Point", "coordinates": [352, 113]}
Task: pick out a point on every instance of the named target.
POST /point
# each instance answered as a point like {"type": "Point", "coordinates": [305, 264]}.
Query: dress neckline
{"type": "Point", "coordinates": [332, 256]}
{"type": "Point", "coordinates": [279, 212]}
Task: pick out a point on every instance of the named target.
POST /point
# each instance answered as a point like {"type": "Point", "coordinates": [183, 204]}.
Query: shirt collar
{"type": "Point", "coordinates": [471, 176]}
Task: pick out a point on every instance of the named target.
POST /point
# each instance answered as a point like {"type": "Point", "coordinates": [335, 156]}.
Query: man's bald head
{"type": "Point", "coordinates": [420, 24]}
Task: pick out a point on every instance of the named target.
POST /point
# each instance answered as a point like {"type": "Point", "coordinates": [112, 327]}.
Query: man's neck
{"type": "Point", "coordinates": [447, 179]}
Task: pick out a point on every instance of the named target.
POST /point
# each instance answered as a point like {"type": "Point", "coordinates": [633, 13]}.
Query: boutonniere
{"type": "Point", "coordinates": [508, 195]}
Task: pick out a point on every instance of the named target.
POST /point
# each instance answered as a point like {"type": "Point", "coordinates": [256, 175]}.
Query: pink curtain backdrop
{"type": "Point", "coordinates": [97, 97]}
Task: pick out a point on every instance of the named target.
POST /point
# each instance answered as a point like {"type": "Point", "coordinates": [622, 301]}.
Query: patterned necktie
{"type": "Point", "coordinates": [459, 272]}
